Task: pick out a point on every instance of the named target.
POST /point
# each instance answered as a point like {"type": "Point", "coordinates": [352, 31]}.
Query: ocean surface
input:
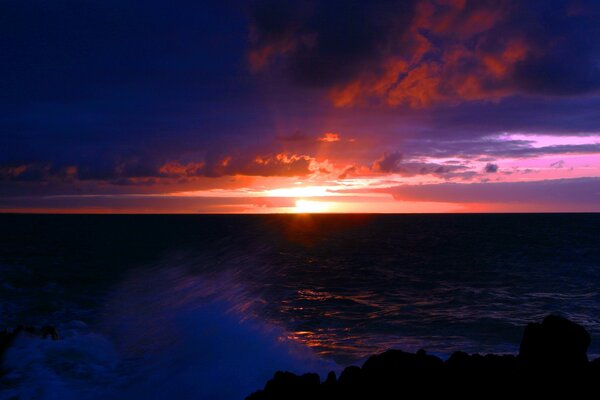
{"type": "Point", "coordinates": [209, 307]}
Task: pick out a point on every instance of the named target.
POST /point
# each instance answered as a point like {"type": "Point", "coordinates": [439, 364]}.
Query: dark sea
{"type": "Point", "coordinates": [209, 307]}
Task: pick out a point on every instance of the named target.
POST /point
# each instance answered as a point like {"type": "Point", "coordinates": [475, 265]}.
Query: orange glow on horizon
{"type": "Point", "coordinates": [342, 188]}
{"type": "Point", "coordinates": [311, 206]}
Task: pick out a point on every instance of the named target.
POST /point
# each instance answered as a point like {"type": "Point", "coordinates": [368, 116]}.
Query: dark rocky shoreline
{"type": "Point", "coordinates": [552, 361]}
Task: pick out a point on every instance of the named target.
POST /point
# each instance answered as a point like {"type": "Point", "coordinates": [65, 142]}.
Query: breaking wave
{"type": "Point", "coordinates": [165, 333]}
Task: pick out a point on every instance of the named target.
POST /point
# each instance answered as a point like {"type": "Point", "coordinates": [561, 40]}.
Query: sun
{"type": "Point", "coordinates": [312, 206]}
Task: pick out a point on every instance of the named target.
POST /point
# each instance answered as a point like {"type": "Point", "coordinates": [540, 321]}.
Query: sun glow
{"type": "Point", "coordinates": [303, 191]}
{"type": "Point", "coordinates": [311, 206]}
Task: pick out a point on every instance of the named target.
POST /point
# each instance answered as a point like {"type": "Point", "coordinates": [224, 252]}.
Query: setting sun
{"type": "Point", "coordinates": [311, 206]}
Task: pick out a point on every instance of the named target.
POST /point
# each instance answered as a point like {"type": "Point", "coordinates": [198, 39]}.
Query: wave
{"type": "Point", "coordinates": [164, 333]}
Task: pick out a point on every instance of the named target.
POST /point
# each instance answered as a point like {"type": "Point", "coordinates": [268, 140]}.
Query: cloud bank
{"type": "Point", "coordinates": [423, 52]}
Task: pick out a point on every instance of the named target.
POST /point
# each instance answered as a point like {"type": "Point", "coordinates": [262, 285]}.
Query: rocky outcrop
{"type": "Point", "coordinates": [554, 343]}
{"type": "Point", "coordinates": [552, 360]}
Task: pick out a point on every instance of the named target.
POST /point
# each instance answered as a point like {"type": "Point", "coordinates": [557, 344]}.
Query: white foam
{"type": "Point", "coordinates": [165, 334]}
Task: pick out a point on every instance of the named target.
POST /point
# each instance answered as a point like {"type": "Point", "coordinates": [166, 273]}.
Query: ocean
{"type": "Point", "coordinates": [210, 306]}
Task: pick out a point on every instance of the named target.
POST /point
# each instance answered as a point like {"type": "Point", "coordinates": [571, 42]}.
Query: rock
{"type": "Point", "coordinates": [399, 364]}
{"type": "Point", "coordinates": [349, 376]}
{"type": "Point", "coordinates": [286, 385]}
{"type": "Point", "coordinates": [595, 366]}
{"type": "Point", "coordinates": [555, 343]}
{"type": "Point", "coordinates": [552, 359]}
{"type": "Point", "coordinates": [329, 387]}
{"type": "Point", "coordinates": [331, 379]}
{"type": "Point", "coordinates": [459, 359]}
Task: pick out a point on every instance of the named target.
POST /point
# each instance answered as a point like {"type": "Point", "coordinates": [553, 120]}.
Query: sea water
{"type": "Point", "coordinates": [209, 307]}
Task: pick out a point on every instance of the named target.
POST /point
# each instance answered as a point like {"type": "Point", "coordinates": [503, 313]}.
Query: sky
{"type": "Point", "coordinates": [378, 106]}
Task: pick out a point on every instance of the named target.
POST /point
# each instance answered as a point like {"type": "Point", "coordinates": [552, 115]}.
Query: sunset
{"type": "Point", "coordinates": [425, 106]}
{"type": "Point", "coordinates": [280, 200]}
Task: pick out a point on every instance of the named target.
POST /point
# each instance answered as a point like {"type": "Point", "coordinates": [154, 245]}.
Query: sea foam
{"type": "Point", "coordinates": [165, 333]}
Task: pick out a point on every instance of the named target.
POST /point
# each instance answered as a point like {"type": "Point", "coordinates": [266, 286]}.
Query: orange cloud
{"type": "Point", "coordinates": [261, 53]}
{"type": "Point", "coordinates": [347, 95]}
{"type": "Point", "coordinates": [272, 165]}
{"type": "Point", "coordinates": [38, 172]}
{"type": "Point", "coordinates": [447, 51]}
{"type": "Point", "coordinates": [259, 57]}
{"type": "Point", "coordinates": [330, 137]}
{"type": "Point", "coordinates": [175, 169]}
{"type": "Point", "coordinates": [11, 172]}
{"type": "Point", "coordinates": [460, 73]}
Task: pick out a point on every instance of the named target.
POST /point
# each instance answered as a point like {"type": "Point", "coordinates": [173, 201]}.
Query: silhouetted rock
{"type": "Point", "coordinates": [552, 359]}
{"type": "Point", "coordinates": [291, 386]}
{"type": "Point", "coordinates": [331, 379]}
{"type": "Point", "coordinates": [555, 343]}
{"type": "Point", "coordinates": [329, 387]}
{"type": "Point", "coordinates": [350, 375]}
{"type": "Point", "coordinates": [595, 365]}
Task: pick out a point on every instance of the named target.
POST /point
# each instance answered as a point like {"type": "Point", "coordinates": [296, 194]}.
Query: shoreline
{"type": "Point", "coordinates": [552, 356]}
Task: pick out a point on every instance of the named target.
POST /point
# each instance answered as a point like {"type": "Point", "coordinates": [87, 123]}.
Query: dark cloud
{"type": "Point", "coordinates": [272, 165]}
{"type": "Point", "coordinates": [294, 137]}
{"type": "Point", "coordinates": [491, 168]}
{"type": "Point", "coordinates": [393, 163]}
{"type": "Point", "coordinates": [388, 162]}
{"type": "Point", "coordinates": [38, 172]}
{"type": "Point", "coordinates": [414, 168]}
{"type": "Point", "coordinates": [492, 148]}
{"type": "Point", "coordinates": [143, 172]}
{"type": "Point", "coordinates": [565, 57]}
{"type": "Point", "coordinates": [423, 52]}
{"type": "Point", "coordinates": [83, 82]}
{"type": "Point", "coordinates": [129, 97]}
{"type": "Point", "coordinates": [583, 191]}
{"type": "Point", "coordinates": [327, 42]}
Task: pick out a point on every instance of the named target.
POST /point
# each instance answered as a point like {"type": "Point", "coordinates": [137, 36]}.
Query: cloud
{"type": "Point", "coordinates": [492, 147]}
{"type": "Point", "coordinates": [557, 191]}
{"type": "Point", "coordinates": [85, 114]}
{"type": "Point", "coordinates": [166, 203]}
{"type": "Point", "coordinates": [388, 162]}
{"type": "Point", "coordinates": [330, 137]}
{"type": "Point", "coordinates": [325, 42]}
{"type": "Point", "coordinates": [38, 172]}
{"type": "Point", "coordinates": [294, 137]}
{"type": "Point", "coordinates": [414, 168]}
{"type": "Point", "coordinates": [425, 52]}
{"type": "Point", "coordinates": [272, 165]}
{"type": "Point", "coordinates": [393, 163]}
{"type": "Point", "coordinates": [135, 171]}
{"type": "Point", "coordinates": [491, 168]}
{"type": "Point", "coordinates": [348, 171]}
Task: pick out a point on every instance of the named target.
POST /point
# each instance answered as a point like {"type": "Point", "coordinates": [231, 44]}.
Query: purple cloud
{"type": "Point", "coordinates": [583, 191]}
